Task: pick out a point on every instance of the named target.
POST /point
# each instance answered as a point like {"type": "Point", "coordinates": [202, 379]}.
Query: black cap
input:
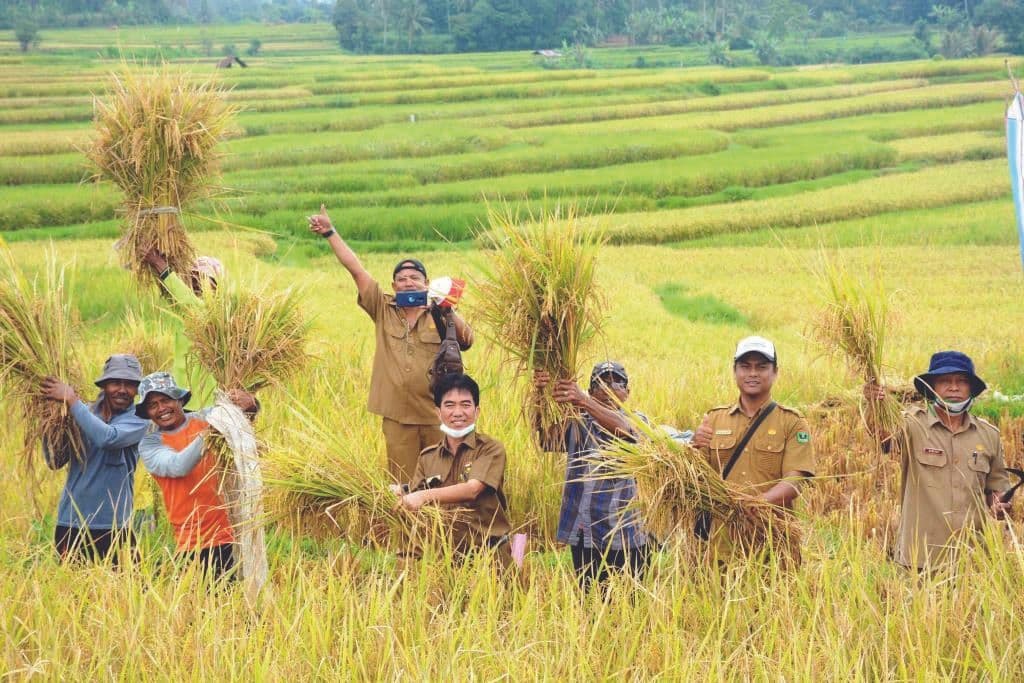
{"type": "Point", "coordinates": [609, 367]}
{"type": "Point", "coordinates": [408, 263]}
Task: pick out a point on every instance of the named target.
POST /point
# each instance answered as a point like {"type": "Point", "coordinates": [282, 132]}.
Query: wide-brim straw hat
{"type": "Point", "coordinates": [947, 363]}
{"type": "Point", "coordinates": [160, 383]}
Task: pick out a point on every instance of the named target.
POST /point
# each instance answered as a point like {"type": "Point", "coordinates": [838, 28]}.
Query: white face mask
{"type": "Point", "coordinates": [457, 433]}
{"type": "Point", "coordinates": [954, 408]}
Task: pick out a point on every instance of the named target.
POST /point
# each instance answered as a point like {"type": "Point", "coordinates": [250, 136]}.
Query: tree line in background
{"type": "Point", "coordinates": [767, 27]}
{"type": "Point", "coordinates": [774, 31]}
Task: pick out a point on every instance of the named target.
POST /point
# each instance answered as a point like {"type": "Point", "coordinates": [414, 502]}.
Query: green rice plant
{"type": "Point", "coordinates": [951, 147]}
{"type": "Point", "coordinates": [39, 338]}
{"type": "Point", "coordinates": [42, 169]}
{"type": "Point", "coordinates": [156, 138]}
{"type": "Point", "coordinates": [539, 296]}
{"type": "Point", "coordinates": [931, 187]}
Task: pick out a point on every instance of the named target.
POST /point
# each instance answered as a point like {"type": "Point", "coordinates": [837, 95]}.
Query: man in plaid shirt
{"type": "Point", "coordinates": [601, 533]}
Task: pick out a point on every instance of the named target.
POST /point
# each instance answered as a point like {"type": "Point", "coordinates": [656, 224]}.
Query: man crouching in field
{"type": "Point", "coordinates": [186, 470]}
{"type": "Point", "coordinates": [463, 473]}
{"type": "Point", "coordinates": [596, 521]}
{"type": "Point", "coordinates": [407, 340]}
{"type": "Point", "coordinates": [755, 443]}
{"type": "Point", "coordinates": [952, 462]}
{"type": "Point", "coordinates": [96, 504]}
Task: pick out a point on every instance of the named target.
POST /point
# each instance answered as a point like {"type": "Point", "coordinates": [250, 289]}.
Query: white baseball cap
{"type": "Point", "coordinates": [755, 345]}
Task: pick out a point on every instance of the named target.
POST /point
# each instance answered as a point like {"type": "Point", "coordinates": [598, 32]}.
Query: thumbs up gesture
{"type": "Point", "coordinates": [320, 223]}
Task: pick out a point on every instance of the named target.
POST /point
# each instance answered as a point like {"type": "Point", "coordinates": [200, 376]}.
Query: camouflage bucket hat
{"type": "Point", "coordinates": [160, 383]}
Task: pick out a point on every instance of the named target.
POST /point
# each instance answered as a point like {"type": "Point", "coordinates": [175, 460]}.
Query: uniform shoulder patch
{"type": "Point", "coordinates": [726, 406]}
{"type": "Point", "coordinates": [803, 437]}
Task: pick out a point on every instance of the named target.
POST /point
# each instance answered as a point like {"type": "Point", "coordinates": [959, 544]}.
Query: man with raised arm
{"type": "Point", "coordinates": [407, 341]}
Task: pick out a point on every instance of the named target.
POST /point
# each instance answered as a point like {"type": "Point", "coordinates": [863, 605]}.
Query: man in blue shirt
{"type": "Point", "coordinates": [96, 504]}
{"type": "Point", "coordinates": [602, 534]}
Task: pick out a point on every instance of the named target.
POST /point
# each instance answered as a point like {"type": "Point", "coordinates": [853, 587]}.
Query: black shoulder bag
{"type": "Point", "coordinates": [448, 360]}
{"type": "Point", "coordinates": [702, 526]}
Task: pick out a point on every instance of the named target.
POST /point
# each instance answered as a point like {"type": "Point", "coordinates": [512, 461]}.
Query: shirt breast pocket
{"type": "Point", "coordinates": [723, 443]}
{"type": "Point", "coordinates": [929, 459]}
{"type": "Point", "coordinates": [767, 456]}
{"type": "Point", "coordinates": [981, 465]}
{"type": "Point", "coordinates": [394, 327]}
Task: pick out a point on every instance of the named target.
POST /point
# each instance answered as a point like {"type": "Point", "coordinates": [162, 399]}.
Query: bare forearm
{"type": "Point", "coordinates": [785, 493]}
{"type": "Point", "coordinates": [463, 332]}
{"type": "Point", "coordinates": [465, 492]}
{"type": "Point", "coordinates": [612, 421]}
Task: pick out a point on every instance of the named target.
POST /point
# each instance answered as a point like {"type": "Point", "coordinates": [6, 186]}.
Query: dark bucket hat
{"type": "Point", "coordinates": [121, 366]}
{"type": "Point", "coordinates": [946, 363]}
{"type": "Point", "coordinates": [609, 367]}
{"type": "Point", "coordinates": [159, 383]}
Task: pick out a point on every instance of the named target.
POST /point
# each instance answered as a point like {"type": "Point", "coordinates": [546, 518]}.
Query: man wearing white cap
{"type": "Point", "coordinates": [756, 443]}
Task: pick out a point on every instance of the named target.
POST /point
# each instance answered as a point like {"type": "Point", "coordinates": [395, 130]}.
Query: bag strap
{"type": "Point", "coordinates": [746, 439]}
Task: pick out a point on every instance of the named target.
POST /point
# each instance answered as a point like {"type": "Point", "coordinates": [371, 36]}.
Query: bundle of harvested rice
{"type": "Point", "coordinates": [324, 474]}
{"type": "Point", "coordinates": [39, 337]}
{"type": "Point", "coordinates": [853, 322]}
{"type": "Point", "coordinates": [675, 483]}
{"type": "Point", "coordinates": [156, 135]}
{"type": "Point", "coordinates": [245, 340]}
{"type": "Point", "coordinates": [539, 296]}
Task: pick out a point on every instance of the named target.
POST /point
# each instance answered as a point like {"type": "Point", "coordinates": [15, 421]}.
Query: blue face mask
{"type": "Point", "coordinates": [953, 408]}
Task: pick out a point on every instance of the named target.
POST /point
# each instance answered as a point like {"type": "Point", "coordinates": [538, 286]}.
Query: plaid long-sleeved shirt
{"type": "Point", "coordinates": [594, 510]}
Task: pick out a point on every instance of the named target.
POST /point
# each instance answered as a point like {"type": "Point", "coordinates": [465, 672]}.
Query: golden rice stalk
{"type": "Point", "coordinates": [39, 337]}
{"type": "Point", "coordinates": [853, 322]}
{"type": "Point", "coordinates": [247, 339]}
{"type": "Point", "coordinates": [675, 483]}
{"type": "Point", "coordinates": [156, 138]}
{"type": "Point", "coordinates": [539, 296]}
{"type": "Point", "coordinates": [150, 341]}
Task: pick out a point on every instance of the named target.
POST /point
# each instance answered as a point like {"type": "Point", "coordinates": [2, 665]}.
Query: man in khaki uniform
{"type": "Point", "coordinates": [952, 462]}
{"type": "Point", "coordinates": [407, 340]}
{"type": "Point", "coordinates": [778, 457]}
{"type": "Point", "coordinates": [464, 471]}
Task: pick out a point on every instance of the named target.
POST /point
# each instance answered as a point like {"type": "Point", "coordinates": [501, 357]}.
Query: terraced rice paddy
{"type": "Point", "coordinates": [716, 186]}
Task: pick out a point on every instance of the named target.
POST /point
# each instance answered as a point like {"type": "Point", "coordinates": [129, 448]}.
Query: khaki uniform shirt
{"type": "Point", "coordinates": [781, 444]}
{"type": "Point", "coordinates": [479, 457]}
{"type": "Point", "coordinates": [946, 477]}
{"type": "Point", "coordinates": [399, 386]}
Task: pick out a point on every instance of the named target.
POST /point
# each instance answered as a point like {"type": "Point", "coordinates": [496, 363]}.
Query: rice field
{"type": "Point", "coordinates": [717, 189]}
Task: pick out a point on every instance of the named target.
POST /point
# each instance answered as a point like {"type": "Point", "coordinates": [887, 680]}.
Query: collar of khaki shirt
{"type": "Point", "coordinates": [933, 419]}
{"type": "Point", "coordinates": [469, 442]}
{"type": "Point", "coordinates": [737, 408]}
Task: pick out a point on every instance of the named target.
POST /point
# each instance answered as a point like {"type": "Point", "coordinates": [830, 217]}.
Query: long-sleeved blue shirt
{"type": "Point", "coordinates": [99, 491]}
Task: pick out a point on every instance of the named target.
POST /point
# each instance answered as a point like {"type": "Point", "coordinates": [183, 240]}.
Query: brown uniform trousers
{"type": "Point", "coordinates": [399, 385]}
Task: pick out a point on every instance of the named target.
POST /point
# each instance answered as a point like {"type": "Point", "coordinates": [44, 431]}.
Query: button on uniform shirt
{"type": "Point", "coordinates": [188, 476]}
{"type": "Point", "coordinates": [946, 477]}
{"type": "Point", "coordinates": [479, 457]}
{"type": "Point", "coordinates": [594, 512]}
{"type": "Point", "coordinates": [399, 386]}
{"type": "Point", "coordinates": [782, 443]}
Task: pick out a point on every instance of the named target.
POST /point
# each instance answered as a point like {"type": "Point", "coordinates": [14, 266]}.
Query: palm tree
{"type": "Point", "coordinates": [414, 19]}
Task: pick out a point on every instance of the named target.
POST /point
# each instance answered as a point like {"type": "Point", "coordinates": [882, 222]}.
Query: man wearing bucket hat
{"type": "Point", "coordinates": [96, 503]}
{"type": "Point", "coordinates": [755, 443]}
{"type": "Point", "coordinates": [603, 532]}
{"type": "Point", "coordinates": [952, 462]}
{"type": "Point", "coordinates": [407, 341]}
{"type": "Point", "coordinates": [186, 470]}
